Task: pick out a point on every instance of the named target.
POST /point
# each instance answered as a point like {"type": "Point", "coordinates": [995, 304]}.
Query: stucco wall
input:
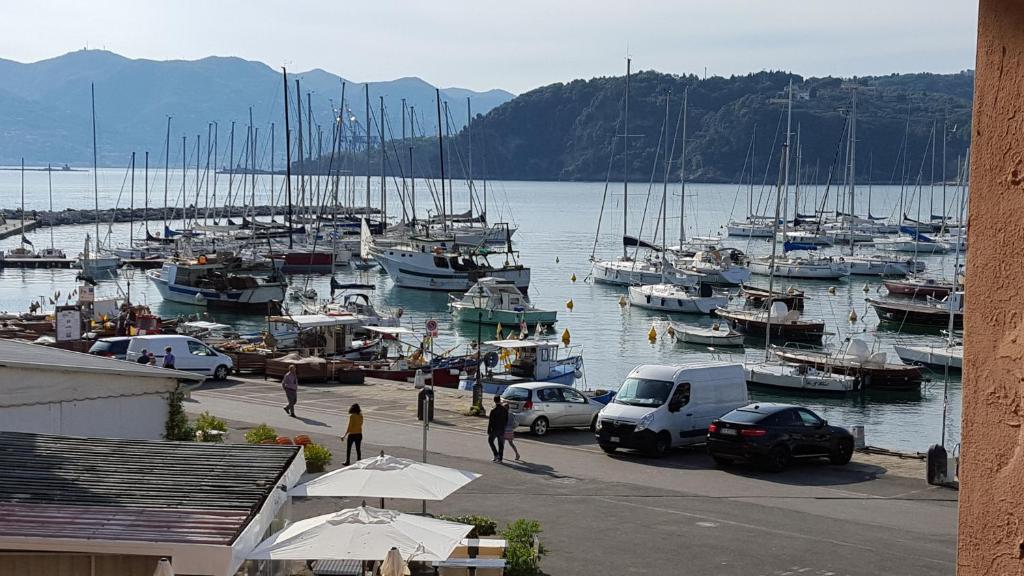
{"type": "Point", "coordinates": [991, 527]}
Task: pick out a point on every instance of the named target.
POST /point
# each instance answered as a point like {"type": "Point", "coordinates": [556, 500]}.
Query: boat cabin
{"type": "Point", "coordinates": [316, 334]}
{"type": "Point", "coordinates": [496, 293]}
{"type": "Point", "coordinates": [510, 362]}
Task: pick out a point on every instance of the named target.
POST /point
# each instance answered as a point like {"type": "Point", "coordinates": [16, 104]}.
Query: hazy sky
{"type": "Point", "coordinates": [512, 44]}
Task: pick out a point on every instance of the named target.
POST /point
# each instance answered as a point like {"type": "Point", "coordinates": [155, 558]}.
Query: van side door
{"type": "Point", "coordinates": [200, 359]}
{"type": "Point", "coordinates": [686, 429]}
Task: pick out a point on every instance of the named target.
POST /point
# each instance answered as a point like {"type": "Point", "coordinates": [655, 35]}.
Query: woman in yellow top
{"type": "Point", "coordinates": [354, 434]}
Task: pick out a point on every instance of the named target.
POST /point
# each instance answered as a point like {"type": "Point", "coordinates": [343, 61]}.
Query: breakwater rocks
{"type": "Point", "coordinates": [71, 216]}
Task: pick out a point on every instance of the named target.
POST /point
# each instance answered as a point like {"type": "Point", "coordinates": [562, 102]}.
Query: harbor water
{"type": "Point", "coordinates": [555, 237]}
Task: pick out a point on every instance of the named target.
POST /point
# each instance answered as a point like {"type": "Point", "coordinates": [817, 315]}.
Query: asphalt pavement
{"type": "Point", "coordinates": [631, 514]}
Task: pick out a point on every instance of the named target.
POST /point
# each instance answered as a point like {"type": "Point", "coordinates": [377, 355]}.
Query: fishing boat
{"type": "Point", "coordinates": [756, 296]}
{"type": "Point", "coordinates": [206, 282]}
{"type": "Point", "coordinates": [782, 323]}
{"type": "Point", "coordinates": [939, 356]}
{"type": "Point", "coordinates": [856, 359]}
{"type": "Point", "coordinates": [700, 299]}
{"type": "Point", "coordinates": [801, 377]}
{"type": "Point", "coordinates": [919, 287]}
{"type": "Point", "coordinates": [931, 313]}
{"type": "Point", "coordinates": [497, 301]}
{"type": "Point", "coordinates": [510, 362]}
{"type": "Point", "coordinates": [426, 264]}
{"type": "Point", "coordinates": [717, 335]}
{"type": "Point", "coordinates": [442, 370]}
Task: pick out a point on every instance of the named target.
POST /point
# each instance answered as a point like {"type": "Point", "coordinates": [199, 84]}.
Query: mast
{"type": "Point", "coordinates": [145, 196]}
{"type": "Point", "coordinates": [779, 207]}
{"type": "Point", "coordinates": [95, 177]}
{"type": "Point", "coordinates": [412, 171]}
{"type": "Point", "coordinates": [288, 157]}
{"type": "Point", "coordinates": [931, 188]}
{"type": "Point", "coordinates": [682, 173]}
{"type": "Point", "coordinates": [231, 170]}
{"type": "Point", "coordinates": [750, 193]}
{"type": "Point", "coordinates": [796, 174]}
{"type": "Point", "coordinates": [945, 137]}
{"type": "Point", "coordinates": [405, 190]}
{"type": "Point", "coordinates": [664, 190]}
{"type": "Point", "coordinates": [273, 195]}
{"type": "Point", "coordinates": [23, 206]}
{"type": "Point", "coordinates": [167, 163]}
{"type": "Point", "coordinates": [469, 137]}
{"type": "Point", "coordinates": [383, 180]}
{"type": "Point", "coordinates": [625, 164]}
{"type": "Point", "coordinates": [956, 267]}
{"type": "Point", "coordinates": [451, 177]}
{"type": "Point", "coordinates": [302, 171]}
{"type": "Point", "coordinates": [131, 207]}
{"type": "Point", "coordinates": [366, 129]}
{"type": "Point", "coordinates": [49, 185]}
{"type": "Point", "coordinates": [440, 146]}
{"type": "Point", "coordinates": [853, 167]}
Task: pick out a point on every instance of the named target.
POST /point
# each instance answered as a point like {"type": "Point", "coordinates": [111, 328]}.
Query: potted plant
{"type": "Point", "coordinates": [209, 428]}
{"type": "Point", "coordinates": [317, 458]}
{"type": "Point", "coordinates": [261, 434]}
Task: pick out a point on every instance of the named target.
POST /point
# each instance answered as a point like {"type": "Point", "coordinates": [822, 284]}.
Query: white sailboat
{"type": "Point", "coordinates": [718, 335]}
{"type": "Point", "coordinates": [799, 377]}
{"type": "Point", "coordinates": [96, 264]}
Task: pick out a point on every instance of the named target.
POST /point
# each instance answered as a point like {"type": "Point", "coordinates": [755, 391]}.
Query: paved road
{"type": "Point", "coordinates": [629, 514]}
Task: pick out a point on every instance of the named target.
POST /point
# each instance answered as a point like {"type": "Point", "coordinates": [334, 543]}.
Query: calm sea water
{"type": "Point", "coordinates": [556, 235]}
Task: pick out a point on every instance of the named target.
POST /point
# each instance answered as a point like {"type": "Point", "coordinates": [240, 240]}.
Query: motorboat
{"type": "Point", "coordinates": [801, 377]}
{"type": "Point", "coordinates": [497, 301]}
{"type": "Point", "coordinates": [627, 271]}
{"type": "Point", "coordinates": [930, 313]}
{"type": "Point", "coordinates": [756, 296]}
{"type": "Point", "coordinates": [718, 334]}
{"type": "Point", "coordinates": [939, 356]}
{"type": "Point", "coordinates": [882, 265]}
{"type": "Point", "coordinates": [782, 323]}
{"type": "Point", "coordinates": [806, 268]}
{"type": "Point", "coordinates": [919, 287]}
{"type": "Point", "coordinates": [700, 299]}
{"type": "Point", "coordinates": [206, 282]}
{"type": "Point", "coordinates": [426, 264]}
{"type": "Point", "coordinates": [856, 359]}
{"type": "Point", "coordinates": [750, 229]}
{"type": "Point", "coordinates": [510, 362]}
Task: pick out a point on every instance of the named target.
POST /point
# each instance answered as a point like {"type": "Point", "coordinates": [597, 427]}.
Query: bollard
{"type": "Point", "coordinates": [858, 437]}
{"type": "Point", "coordinates": [427, 394]}
{"type": "Point", "coordinates": [937, 461]}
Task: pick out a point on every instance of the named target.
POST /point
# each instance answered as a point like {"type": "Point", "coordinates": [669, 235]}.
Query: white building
{"type": "Point", "coordinates": [52, 391]}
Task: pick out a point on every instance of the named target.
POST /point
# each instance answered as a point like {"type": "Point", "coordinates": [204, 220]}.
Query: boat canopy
{"type": "Point", "coordinates": [389, 330]}
{"type": "Point", "coordinates": [791, 246]}
{"type": "Point", "coordinates": [913, 233]}
{"type": "Point", "coordinates": [513, 344]}
{"type": "Point", "coordinates": [316, 320]}
{"type": "Point", "coordinates": [204, 325]}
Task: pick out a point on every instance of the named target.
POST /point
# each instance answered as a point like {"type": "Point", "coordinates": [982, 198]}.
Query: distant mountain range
{"type": "Point", "coordinates": [45, 106]}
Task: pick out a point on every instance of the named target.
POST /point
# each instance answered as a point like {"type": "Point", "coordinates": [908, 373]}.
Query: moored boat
{"type": "Point", "coordinates": [783, 324]}
{"type": "Point", "coordinates": [932, 313]}
{"type": "Point", "coordinates": [699, 299]}
{"type": "Point", "coordinates": [718, 334]}
{"type": "Point", "coordinates": [800, 377]}
{"type": "Point", "coordinates": [856, 360]}
{"type": "Point", "coordinates": [497, 301]}
{"type": "Point", "coordinates": [918, 287]}
{"type": "Point", "coordinates": [205, 282]}
{"type": "Point", "coordinates": [947, 355]}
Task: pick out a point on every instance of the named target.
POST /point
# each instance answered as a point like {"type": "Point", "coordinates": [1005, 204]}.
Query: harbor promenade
{"type": "Point", "coordinates": [629, 514]}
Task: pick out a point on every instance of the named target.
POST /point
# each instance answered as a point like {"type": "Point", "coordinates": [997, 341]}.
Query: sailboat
{"type": "Point", "coordinates": [626, 270]}
{"type": "Point", "coordinates": [96, 264]}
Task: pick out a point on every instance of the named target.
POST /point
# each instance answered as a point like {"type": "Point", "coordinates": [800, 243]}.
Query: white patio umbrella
{"type": "Point", "coordinates": [388, 477]}
{"type": "Point", "coordinates": [393, 565]}
{"type": "Point", "coordinates": [363, 533]}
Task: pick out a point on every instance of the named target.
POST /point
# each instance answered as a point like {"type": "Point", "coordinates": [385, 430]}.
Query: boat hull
{"type": "Point", "coordinates": [811, 332]}
{"type": "Point", "coordinates": [918, 290]}
{"type": "Point", "coordinates": [411, 270]}
{"type": "Point", "coordinates": [790, 378]}
{"type": "Point", "coordinates": [872, 377]}
{"type": "Point", "coordinates": [623, 273]}
{"type": "Point", "coordinates": [831, 271]}
{"type": "Point", "coordinates": [509, 318]}
{"type": "Point", "coordinates": [255, 299]}
{"type": "Point", "coordinates": [643, 297]}
{"type": "Point", "coordinates": [932, 356]}
{"type": "Point", "coordinates": [917, 315]}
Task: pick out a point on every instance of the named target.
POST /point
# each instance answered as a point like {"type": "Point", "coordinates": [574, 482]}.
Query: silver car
{"type": "Point", "coordinates": [543, 405]}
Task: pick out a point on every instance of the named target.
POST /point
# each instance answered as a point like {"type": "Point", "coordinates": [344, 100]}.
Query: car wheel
{"type": "Point", "coordinates": [777, 459]}
{"type": "Point", "coordinates": [220, 373]}
{"type": "Point", "coordinates": [609, 448]}
{"type": "Point", "coordinates": [721, 462]}
{"type": "Point", "coordinates": [593, 424]}
{"type": "Point", "coordinates": [661, 445]}
{"type": "Point", "coordinates": [842, 453]}
{"type": "Point", "coordinates": [539, 426]}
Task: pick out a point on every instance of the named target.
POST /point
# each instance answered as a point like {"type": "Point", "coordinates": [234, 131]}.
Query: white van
{"type": "Point", "coordinates": [190, 354]}
{"type": "Point", "coordinates": [659, 407]}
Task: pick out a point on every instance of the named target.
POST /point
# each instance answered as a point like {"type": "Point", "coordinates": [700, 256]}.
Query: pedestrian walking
{"type": "Point", "coordinates": [290, 383]}
{"type": "Point", "coordinates": [496, 422]}
{"type": "Point", "coordinates": [168, 358]}
{"type": "Point", "coordinates": [354, 434]}
{"type": "Point", "coordinates": [143, 357]}
{"type": "Point", "coordinates": [510, 430]}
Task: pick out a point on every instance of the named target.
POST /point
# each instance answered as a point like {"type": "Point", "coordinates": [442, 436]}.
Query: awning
{"type": "Point", "coordinates": [519, 343]}
{"type": "Point", "coordinates": [389, 330]}
{"type": "Point", "coordinates": [316, 320]}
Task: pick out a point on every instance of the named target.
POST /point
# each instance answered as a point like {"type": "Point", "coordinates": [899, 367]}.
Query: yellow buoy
{"type": "Point", "coordinates": [498, 331]}
{"type": "Point", "coordinates": [573, 278]}
{"type": "Point", "coordinates": [853, 315]}
{"type": "Point", "coordinates": [623, 301]}
{"type": "Point", "coordinates": [652, 335]}
{"type": "Point", "coordinates": [831, 289]}
{"type": "Point", "coordinates": [570, 305]}
{"type": "Point", "coordinates": [565, 337]}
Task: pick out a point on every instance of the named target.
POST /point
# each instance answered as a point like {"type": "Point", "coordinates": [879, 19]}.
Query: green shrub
{"type": "Point", "coordinates": [522, 549]}
{"type": "Point", "coordinates": [482, 525]}
{"type": "Point", "coordinates": [317, 457]}
{"type": "Point", "coordinates": [260, 433]}
{"type": "Point", "coordinates": [206, 423]}
{"type": "Point", "coordinates": [177, 426]}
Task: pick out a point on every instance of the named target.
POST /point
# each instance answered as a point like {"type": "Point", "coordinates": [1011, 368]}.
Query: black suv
{"type": "Point", "coordinates": [773, 434]}
{"type": "Point", "coordinates": [114, 347]}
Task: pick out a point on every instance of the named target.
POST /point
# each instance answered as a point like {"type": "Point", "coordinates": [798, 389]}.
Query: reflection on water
{"type": "Point", "coordinates": [556, 236]}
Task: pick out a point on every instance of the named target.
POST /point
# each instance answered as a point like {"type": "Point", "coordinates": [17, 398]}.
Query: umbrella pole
{"type": "Point", "coordinates": [426, 426]}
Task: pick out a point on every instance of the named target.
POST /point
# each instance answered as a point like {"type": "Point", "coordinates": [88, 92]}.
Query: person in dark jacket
{"type": "Point", "coordinates": [496, 429]}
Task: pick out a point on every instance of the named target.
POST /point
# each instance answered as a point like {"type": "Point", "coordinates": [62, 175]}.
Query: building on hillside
{"type": "Point", "coordinates": [109, 507]}
{"type": "Point", "coordinates": [53, 391]}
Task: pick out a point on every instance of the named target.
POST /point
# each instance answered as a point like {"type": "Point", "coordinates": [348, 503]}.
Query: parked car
{"type": "Point", "coordinates": [660, 407]}
{"type": "Point", "coordinates": [775, 434]}
{"type": "Point", "coordinates": [116, 347]}
{"type": "Point", "coordinates": [190, 354]}
{"type": "Point", "coordinates": [541, 406]}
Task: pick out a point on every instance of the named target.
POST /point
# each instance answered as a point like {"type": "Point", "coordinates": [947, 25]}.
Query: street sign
{"type": "Point", "coordinates": [432, 327]}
